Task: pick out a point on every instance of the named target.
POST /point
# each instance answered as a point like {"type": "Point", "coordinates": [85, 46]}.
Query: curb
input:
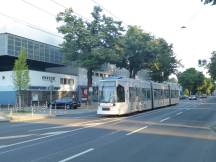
{"type": "Point", "coordinates": [28, 117]}
{"type": "Point", "coordinates": [4, 118]}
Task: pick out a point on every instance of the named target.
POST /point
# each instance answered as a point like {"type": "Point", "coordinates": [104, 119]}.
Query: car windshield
{"type": "Point", "coordinates": [65, 99]}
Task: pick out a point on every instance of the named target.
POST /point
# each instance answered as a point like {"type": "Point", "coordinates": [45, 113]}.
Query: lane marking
{"type": "Point", "coordinates": [135, 131]}
{"type": "Point", "coordinates": [77, 155]}
{"type": "Point", "coordinates": [179, 113]}
{"type": "Point", "coordinates": [164, 119]}
{"type": "Point", "coordinates": [51, 134]}
{"type": "Point", "coordinates": [78, 124]}
{"type": "Point", "coordinates": [22, 142]}
{"type": "Point", "coordinates": [17, 136]}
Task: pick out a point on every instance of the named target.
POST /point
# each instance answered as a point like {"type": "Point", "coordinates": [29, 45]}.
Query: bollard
{"type": "Point", "coordinates": [65, 109]}
{"type": "Point", "coordinates": [11, 111]}
{"type": "Point", "coordinates": [55, 109]}
{"type": "Point", "coordinates": [50, 112]}
{"type": "Point", "coordinates": [32, 108]}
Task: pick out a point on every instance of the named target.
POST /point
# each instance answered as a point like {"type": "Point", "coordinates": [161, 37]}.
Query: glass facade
{"type": "Point", "coordinates": [2, 44]}
{"type": "Point", "coordinates": [35, 50]}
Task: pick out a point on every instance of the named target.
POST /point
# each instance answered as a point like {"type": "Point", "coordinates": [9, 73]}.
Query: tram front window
{"type": "Point", "coordinates": [107, 94]}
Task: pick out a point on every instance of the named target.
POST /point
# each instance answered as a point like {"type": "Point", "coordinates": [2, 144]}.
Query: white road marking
{"type": "Point", "coordinates": [18, 143]}
{"type": "Point", "coordinates": [51, 134]}
{"type": "Point", "coordinates": [65, 126]}
{"type": "Point", "coordinates": [179, 113]}
{"type": "Point", "coordinates": [77, 155]}
{"type": "Point", "coordinates": [46, 128]}
{"type": "Point", "coordinates": [2, 118]}
{"type": "Point", "coordinates": [164, 119]}
{"type": "Point", "coordinates": [135, 131]}
{"type": "Point", "coordinates": [55, 133]}
{"type": "Point", "coordinates": [18, 136]}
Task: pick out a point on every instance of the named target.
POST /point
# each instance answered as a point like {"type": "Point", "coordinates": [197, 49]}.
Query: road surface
{"type": "Point", "coordinates": [180, 133]}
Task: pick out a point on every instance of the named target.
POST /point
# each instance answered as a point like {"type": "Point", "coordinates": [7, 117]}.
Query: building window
{"type": "Point", "coordinates": [61, 80]}
{"type": "Point", "coordinates": [71, 82]}
{"type": "Point", "coordinates": [66, 81]}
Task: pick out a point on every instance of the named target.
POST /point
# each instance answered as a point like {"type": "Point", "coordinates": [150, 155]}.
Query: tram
{"type": "Point", "coordinates": [119, 96]}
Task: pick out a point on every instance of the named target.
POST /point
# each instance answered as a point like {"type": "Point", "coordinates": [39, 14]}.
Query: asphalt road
{"type": "Point", "coordinates": [181, 133]}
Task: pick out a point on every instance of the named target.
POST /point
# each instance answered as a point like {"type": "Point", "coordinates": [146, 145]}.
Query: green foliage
{"type": "Point", "coordinates": [212, 66]}
{"type": "Point", "coordinates": [137, 52]}
{"type": "Point", "coordinates": [213, 2]}
{"type": "Point", "coordinates": [143, 51]}
{"type": "Point", "coordinates": [186, 92]}
{"type": "Point", "coordinates": [90, 44]}
{"type": "Point", "coordinates": [207, 87]}
{"type": "Point", "coordinates": [173, 80]}
{"type": "Point", "coordinates": [21, 72]}
{"type": "Point", "coordinates": [191, 79]}
{"type": "Point", "coordinates": [165, 63]}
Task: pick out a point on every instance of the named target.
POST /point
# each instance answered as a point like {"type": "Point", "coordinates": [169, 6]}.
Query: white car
{"type": "Point", "coordinates": [192, 97]}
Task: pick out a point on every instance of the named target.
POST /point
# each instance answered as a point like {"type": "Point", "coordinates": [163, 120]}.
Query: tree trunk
{"type": "Point", "coordinates": [131, 72]}
{"type": "Point", "coordinates": [89, 77]}
{"type": "Point", "coordinates": [134, 74]}
{"type": "Point", "coordinates": [19, 100]}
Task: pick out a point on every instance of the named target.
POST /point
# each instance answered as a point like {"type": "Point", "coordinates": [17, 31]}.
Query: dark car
{"type": "Point", "coordinates": [65, 103]}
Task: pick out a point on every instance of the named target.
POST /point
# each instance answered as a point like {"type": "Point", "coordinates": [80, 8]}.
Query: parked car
{"type": "Point", "coordinates": [183, 97]}
{"type": "Point", "coordinates": [65, 103]}
{"type": "Point", "coordinates": [192, 97]}
{"type": "Point", "coordinates": [203, 96]}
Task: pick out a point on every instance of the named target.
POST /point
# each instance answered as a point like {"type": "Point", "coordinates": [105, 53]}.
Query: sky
{"type": "Point", "coordinates": [161, 18]}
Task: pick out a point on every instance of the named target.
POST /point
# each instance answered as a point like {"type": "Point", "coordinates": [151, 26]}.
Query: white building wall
{"type": "Point", "coordinates": [38, 78]}
{"type": "Point", "coordinates": [6, 81]}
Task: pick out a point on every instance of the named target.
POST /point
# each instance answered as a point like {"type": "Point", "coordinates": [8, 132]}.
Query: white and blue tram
{"type": "Point", "coordinates": [118, 96]}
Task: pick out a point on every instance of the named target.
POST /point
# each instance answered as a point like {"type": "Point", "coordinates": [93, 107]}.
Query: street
{"type": "Point", "coordinates": [180, 133]}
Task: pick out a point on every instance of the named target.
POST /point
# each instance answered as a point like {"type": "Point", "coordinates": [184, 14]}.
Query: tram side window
{"type": "Point", "coordinates": [156, 96]}
{"type": "Point", "coordinates": [132, 94]}
{"type": "Point", "coordinates": [174, 93]}
{"type": "Point", "coordinates": [166, 91]}
{"type": "Point", "coordinates": [148, 94]}
{"type": "Point", "coordinates": [120, 93]}
{"type": "Point", "coordinates": [140, 94]}
{"type": "Point", "coordinates": [143, 92]}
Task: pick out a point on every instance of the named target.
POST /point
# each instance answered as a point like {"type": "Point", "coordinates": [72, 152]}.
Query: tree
{"type": "Point", "coordinates": [207, 87]}
{"type": "Point", "coordinates": [90, 44]}
{"type": "Point", "coordinates": [21, 74]}
{"type": "Point", "coordinates": [186, 92]}
{"type": "Point", "coordinates": [213, 2]}
{"type": "Point", "coordinates": [137, 50]}
{"type": "Point", "coordinates": [173, 80]}
{"type": "Point", "coordinates": [191, 79]}
{"type": "Point", "coordinates": [165, 63]}
{"type": "Point", "coordinates": [212, 66]}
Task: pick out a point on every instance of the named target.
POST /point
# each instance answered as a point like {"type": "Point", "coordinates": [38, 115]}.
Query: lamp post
{"type": "Point", "coordinates": [162, 75]}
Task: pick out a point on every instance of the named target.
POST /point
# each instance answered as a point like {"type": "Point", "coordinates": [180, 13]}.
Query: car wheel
{"type": "Point", "coordinates": [68, 107]}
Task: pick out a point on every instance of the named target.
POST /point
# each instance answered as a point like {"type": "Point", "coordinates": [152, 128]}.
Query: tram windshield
{"type": "Point", "coordinates": [108, 93]}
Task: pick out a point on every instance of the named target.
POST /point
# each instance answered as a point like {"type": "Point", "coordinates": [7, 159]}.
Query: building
{"type": "Point", "coordinates": [40, 55]}
{"type": "Point", "coordinates": [50, 78]}
{"type": "Point", "coordinates": [44, 85]}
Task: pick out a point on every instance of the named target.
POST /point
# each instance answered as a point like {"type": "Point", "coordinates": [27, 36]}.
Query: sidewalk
{"type": "Point", "coordinates": [38, 113]}
{"type": "Point", "coordinates": [4, 118]}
